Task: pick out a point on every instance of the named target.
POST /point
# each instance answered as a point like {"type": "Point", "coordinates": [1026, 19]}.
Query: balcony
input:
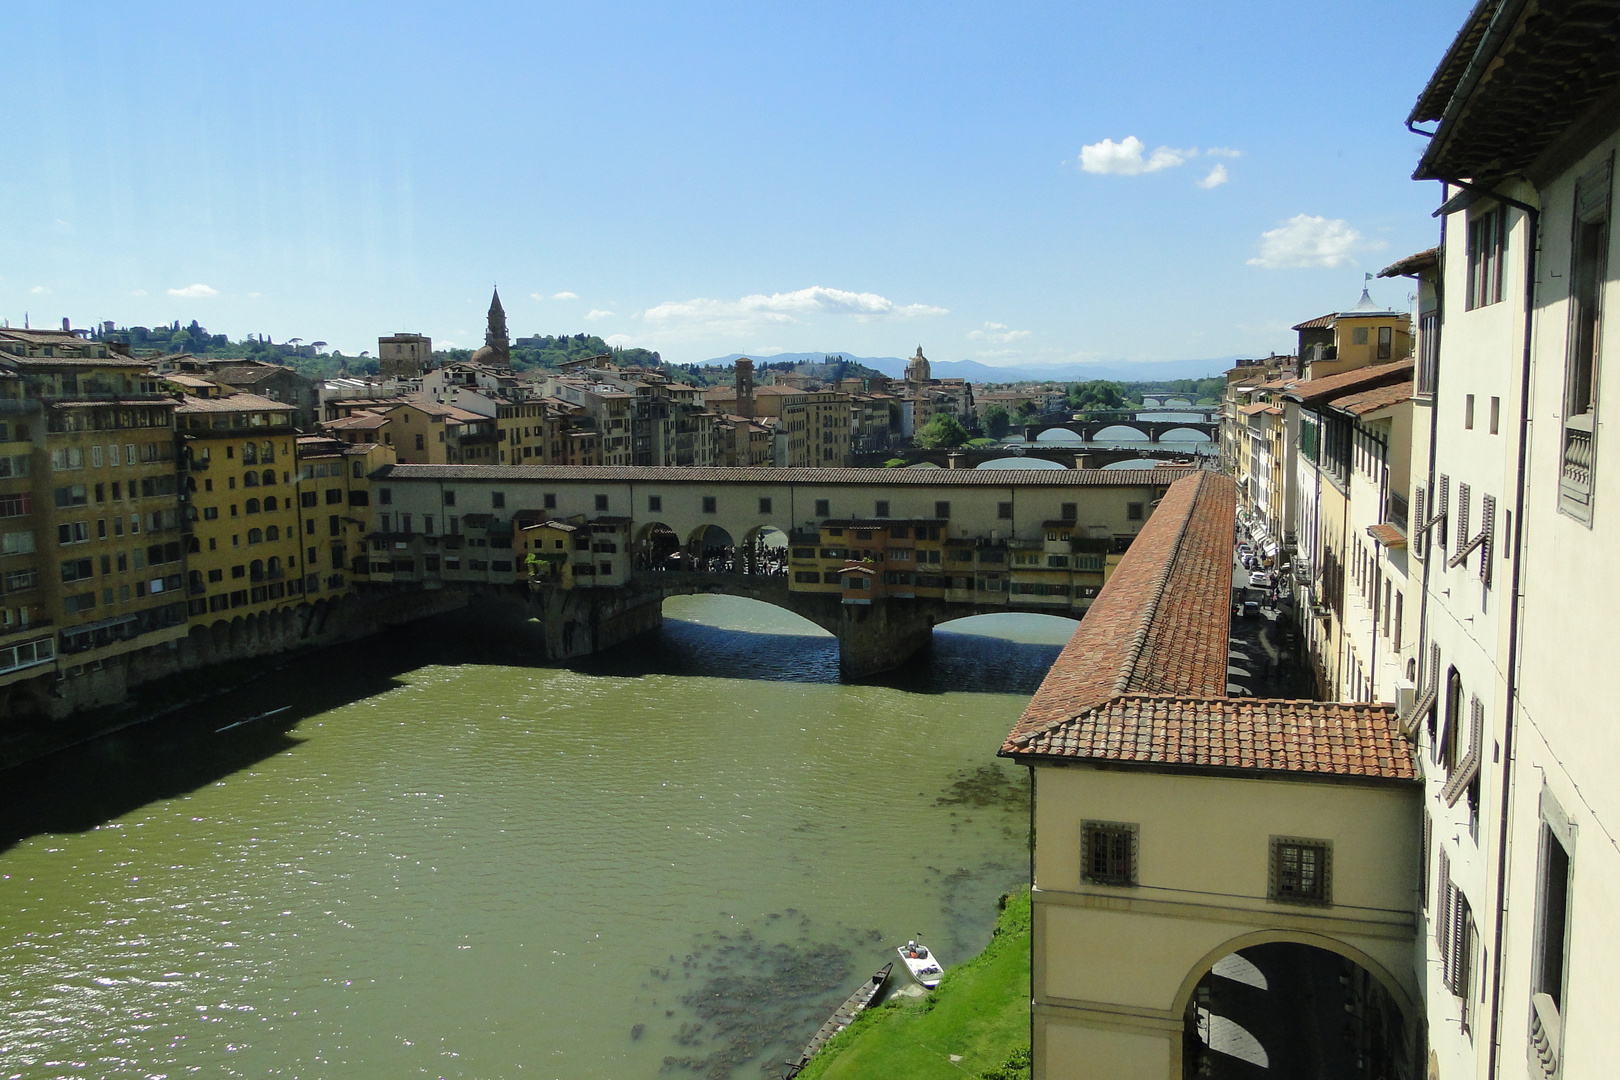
{"type": "Point", "coordinates": [1575, 477]}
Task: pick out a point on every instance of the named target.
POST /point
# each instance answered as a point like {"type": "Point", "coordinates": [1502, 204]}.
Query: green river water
{"type": "Point", "coordinates": [672, 859]}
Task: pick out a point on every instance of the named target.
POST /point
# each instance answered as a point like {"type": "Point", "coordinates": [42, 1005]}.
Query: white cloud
{"type": "Point", "coordinates": [619, 340]}
{"type": "Point", "coordinates": [998, 334]}
{"type": "Point", "coordinates": [1304, 240]}
{"type": "Point", "coordinates": [565, 296]}
{"type": "Point", "coordinates": [789, 307]}
{"type": "Point", "coordinates": [1217, 176]}
{"type": "Point", "coordinates": [194, 292]}
{"type": "Point", "coordinates": [138, 292]}
{"type": "Point", "coordinates": [38, 290]}
{"type": "Point", "coordinates": [1125, 158]}
{"type": "Point", "coordinates": [254, 295]}
{"type": "Point", "coordinates": [1222, 151]}
{"type": "Point", "coordinates": [598, 313]}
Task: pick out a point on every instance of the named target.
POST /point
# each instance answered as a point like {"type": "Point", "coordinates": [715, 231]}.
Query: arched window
{"type": "Point", "coordinates": [252, 507]}
{"type": "Point", "coordinates": [269, 476]}
{"type": "Point", "coordinates": [273, 565]}
{"type": "Point", "coordinates": [250, 454]}
{"type": "Point", "coordinates": [193, 545]}
{"type": "Point", "coordinates": [272, 533]}
{"type": "Point", "coordinates": [267, 453]}
{"type": "Point", "coordinates": [269, 504]}
{"type": "Point", "coordinates": [1452, 728]}
{"type": "Point", "coordinates": [250, 479]}
{"type": "Point", "coordinates": [255, 536]}
{"type": "Point", "coordinates": [196, 580]}
{"type": "Point", "coordinates": [256, 570]}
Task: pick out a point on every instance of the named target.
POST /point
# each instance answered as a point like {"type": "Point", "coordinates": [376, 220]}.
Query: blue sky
{"type": "Point", "coordinates": [720, 178]}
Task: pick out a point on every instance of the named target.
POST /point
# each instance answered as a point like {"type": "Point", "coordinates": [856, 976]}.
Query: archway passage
{"type": "Point", "coordinates": [658, 548]}
{"type": "Point", "coordinates": [1183, 434]}
{"type": "Point", "coordinates": [712, 550]}
{"type": "Point", "coordinates": [765, 553]}
{"type": "Point", "coordinates": [1290, 1011]}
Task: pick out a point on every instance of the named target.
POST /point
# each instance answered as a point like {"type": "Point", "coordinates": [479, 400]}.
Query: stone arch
{"type": "Point", "coordinates": [657, 547]}
{"type": "Point", "coordinates": [711, 548]}
{"type": "Point", "coordinates": [1386, 978]}
{"type": "Point", "coordinates": [1096, 431]}
{"type": "Point", "coordinates": [764, 552]}
{"type": "Point", "coordinates": [1188, 430]}
{"type": "Point", "coordinates": [237, 634]}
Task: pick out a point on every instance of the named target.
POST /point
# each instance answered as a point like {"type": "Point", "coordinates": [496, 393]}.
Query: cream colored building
{"type": "Point", "coordinates": [1186, 841]}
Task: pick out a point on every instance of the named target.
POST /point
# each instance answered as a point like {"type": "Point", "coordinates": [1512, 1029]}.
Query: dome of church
{"type": "Point", "coordinates": [487, 354]}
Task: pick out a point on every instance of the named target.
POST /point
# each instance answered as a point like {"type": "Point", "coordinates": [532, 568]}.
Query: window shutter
{"type": "Point", "coordinates": [1442, 919]}
{"type": "Point", "coordinates": [1442, 505]}
{"type": "Point", "coordinates": [1487, 528]}
{"type": "Point", "coordinates": [1418, 520]}
{"type": "Point", "coordinates": [1459, 943]}
{"type": "Point", "coordinates": [1462, 515]}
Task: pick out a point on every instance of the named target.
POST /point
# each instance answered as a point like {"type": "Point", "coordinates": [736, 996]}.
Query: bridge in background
{"type": "Point", "coordinates": [934, 544]}
{"type": "Point", "coordinates": [1155, 430]}
{"type": "Point", "coordinates": [1069, 457]}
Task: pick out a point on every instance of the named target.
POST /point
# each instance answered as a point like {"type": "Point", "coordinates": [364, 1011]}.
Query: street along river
{"type": "Point", "coordinates": [444, 862]}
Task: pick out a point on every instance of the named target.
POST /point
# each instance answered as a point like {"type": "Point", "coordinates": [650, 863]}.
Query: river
{"type": "Point", "coordinates": [446, 862]}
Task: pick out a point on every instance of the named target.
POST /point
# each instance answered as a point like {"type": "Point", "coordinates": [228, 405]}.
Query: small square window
{"type": "Point", "coordinates": [1468, 412]}
{"type": "Point", "coordinates": [1358, 336]}
{"type": "Point", "coordinates": [385, 496]}
{"type": "Point", "coordinates": [708, 504]}
{"type": "Point", "coordinates": [655, 504]}
{"type": "Point", "coordinates": [1133, 511]}
{"type": "Point", "coordinates": [1004, 511]}
{"type": "Point", "coordinates": [551, 502]}
{"type": "Point", "coordinates": [601, 503]}
{"type": "Point", "coordinates": [883, 508]}
{"type": "Point", "coordinates": [497, 499]}
{"type": "Point", "coordinates": [1071, 512]}
{"type": "Point", "coordinates": [764, 506]}
{"type": "Point", "coordinates": [823, 508]}
{"type": "Point", "coordinates": [449, 498]}
{"type": "Point", "coordinates": [1108, 853]}
{"type": "Point", "coordinates": [1301, 871]}
{"type": "Point", "coordinates": [942, 510]}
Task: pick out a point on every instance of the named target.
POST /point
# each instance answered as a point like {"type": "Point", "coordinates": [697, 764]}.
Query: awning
{"type": "Point", "coordinates": [1270, 549]}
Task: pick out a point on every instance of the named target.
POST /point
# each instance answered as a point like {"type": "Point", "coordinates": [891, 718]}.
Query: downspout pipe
{"type": "Point", "coordinates": [1532, 217]}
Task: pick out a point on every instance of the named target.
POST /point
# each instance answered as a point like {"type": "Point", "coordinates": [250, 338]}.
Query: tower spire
{"type": "Point", "coordinates": [495, 336]}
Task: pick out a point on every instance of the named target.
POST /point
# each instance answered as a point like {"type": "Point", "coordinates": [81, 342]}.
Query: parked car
{"type": "Point", "coordinates": [1259, 579]}
{"type": "Point", "coordinates": [1251, 609]}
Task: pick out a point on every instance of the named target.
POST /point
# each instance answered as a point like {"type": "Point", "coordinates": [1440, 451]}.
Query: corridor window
{"type": "Point", "coordinates": [1300, 871]}
{"type": "Point", "coordinates": [1108, 853]}
{"type": "Point", "coordinates": [601, 504]}
{"type": "Point", "coordinates": [764, 506]}
{"type": "Point", "coordinates": [882, 508]}
{"type": "Point", "coordinates": [823, 508]}
{"type": "Point", "coordinates": [1487, 246]}
{"type": "Point", "coordinates": [655, 504]}
{"type": "Point", "coordinates": [1133, 511]}
{"type": "Point", "coordinates": [942, 510]}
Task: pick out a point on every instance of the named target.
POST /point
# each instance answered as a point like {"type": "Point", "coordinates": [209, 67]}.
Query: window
{"type": "Point", "coordinates": [252, 507]}
{"type": "Point", "coordinates": [942, 510]}
{"type": "Point", "coordinates": [764, 505]}
{"type": "Point", "coordinates": [82, 602]}
{"type": "Point", "coordinates": [549, 501]}
{"type": "Point", "coordinates": [497, 499]}
{"type": "Point", "coordinates": [71, 496]}
{"type": "Point", "coordinates": [255, 536]}
{"type": "Point", "coordinates": [67, 457]}
{"type": "Point", "coordinates": [419, 442]}
{"type": "Point", "coordinates": [1496, 415]}
{"type": "Point", "coordinates": [1070, 512]}
{"type": "Point", "coordinates": [1468, 412]}
{"type": "Point", "coordinates": [385, 497]}
{"type": "Point", "coordinates": [1428, 367]}
{"type": "Point", "coordinates": [72, 532]}
{"type": "Point", "coordinates": [601, 504]}
{"type": "Point", "coordinates": [1588, 270]}
{"type": "Point", "coordinates": [655, 504]}
{"type": "Point", "coordinates": [1134, 511]}
{"type": "Point", "coordinates": [708, 504]}
{"type": "Point", "coordinates": [1108, 853]}
{"type": "Point", "coordinates": [1487, 245]}
{"type": "Point", "coordinates": [1004, 511]}
{"type": "Point", "coordinates": [1301, 871]}
{"type": "Point", "coordinates": [823, 508]}
{"type": "Point", "coordinates": [1551, 933]}
{"type": "Point", "coordinates": [16, 505]}
{"type": "Point", "coordinates": [807, 577]}
{"type": "Point", "coordinates": [882, 508]}
{"type": "Point", "coordinates": [1386, 341]}
{"type": "Point", "coordinates": [76, 569]}
{"type": "Point", "coordinates": [1358, 336]}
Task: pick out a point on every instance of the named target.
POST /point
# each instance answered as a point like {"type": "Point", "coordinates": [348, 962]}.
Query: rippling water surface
{"type": "Point", "coordinates": [673, 858]}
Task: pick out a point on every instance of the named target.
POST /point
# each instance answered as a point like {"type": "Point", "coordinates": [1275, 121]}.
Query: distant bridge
{"type": "Point", "coordinates": [1088, 430]}
{"type": "Point", "coordinates": [972, 457]}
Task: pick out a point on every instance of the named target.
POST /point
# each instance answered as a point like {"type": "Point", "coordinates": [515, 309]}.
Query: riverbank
{"type": "Point", "coordinates": [976, 1022]}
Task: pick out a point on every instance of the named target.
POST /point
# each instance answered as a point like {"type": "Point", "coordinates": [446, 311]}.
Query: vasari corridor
{"type": "Point", "coordinates": [625, 541]}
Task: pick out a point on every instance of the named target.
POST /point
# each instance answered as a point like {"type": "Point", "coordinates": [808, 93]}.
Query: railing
{"type": "Point", "coordinates": [1545, 1031]}
{"type": "Point", "coordinates": [1575, 480]}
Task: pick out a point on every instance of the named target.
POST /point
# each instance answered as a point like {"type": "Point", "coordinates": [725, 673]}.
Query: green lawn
{"type": "Point", "coordinates": [980, 1012]}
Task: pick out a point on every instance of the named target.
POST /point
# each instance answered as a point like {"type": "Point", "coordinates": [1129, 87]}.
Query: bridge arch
{"type": "Point", "coordinates": [653, 546]}
{"type": "Point", "coordinates": [1099, 429]}
{"type": "Point", "coordinates": [764, 551]}
{"type": "Point", "coordinates": [712, 548]}
{"type": "Point", "coordinates": [1188, 434]}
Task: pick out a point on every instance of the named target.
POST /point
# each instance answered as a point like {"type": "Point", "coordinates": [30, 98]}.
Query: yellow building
{"type": "Point", "coordinates": [546, 552]}
{"type": "Point", "coordinates": [239, 468]}
{"type": "Point", "coordinates": [427, 433]}
{"type": "Point", "coordinates": [336, 506]}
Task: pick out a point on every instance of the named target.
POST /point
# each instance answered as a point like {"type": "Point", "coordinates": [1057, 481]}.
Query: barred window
{"type": "Point", "coordinates": [1108, 853]}
{"type": "Point", "coordinates": [1301, 870]}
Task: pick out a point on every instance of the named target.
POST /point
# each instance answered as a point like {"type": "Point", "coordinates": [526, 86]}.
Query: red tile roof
{"type": "Point", "coordinates": [1372, 400]}
{"type": "Point", "coordinates": [1160, 624]}
{"type": "Point", "coordinates": [1413, 265]}
{"type": "Point", "coordinates": [1244, 734]}
{"type": "Point", "coordinates": [1316, 391]}
{"type": "Point", "coordinates": [1319, 323]}
{"type": "Point", "coordinates": [1387, 535]}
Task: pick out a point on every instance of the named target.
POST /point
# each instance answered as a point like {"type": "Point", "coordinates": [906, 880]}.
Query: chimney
{"type": "Point", "coordinates": [745, 388]}
{"type": "Point", "coordinates": [67, 327]}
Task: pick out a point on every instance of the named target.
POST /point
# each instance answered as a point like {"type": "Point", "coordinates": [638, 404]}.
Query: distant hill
{"type": "Point", "coordinates": [973, 371]}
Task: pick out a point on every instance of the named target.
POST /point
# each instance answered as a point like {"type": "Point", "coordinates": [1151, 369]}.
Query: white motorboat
{"type": "Point", "coordinates": [923, 964]}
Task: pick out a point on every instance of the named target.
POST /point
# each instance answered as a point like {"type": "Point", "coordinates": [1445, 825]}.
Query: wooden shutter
{"type": "Point", "coordinates": [1442, 505]}
{"type": "Point", "coordinates": [1418, 520]}
{"type": "Point", "coordinates": [1487, 529]}
{"type": "Point", "coordinates": [1462, 515]}
{"type": "Point", "coordinates": [1442, 918]}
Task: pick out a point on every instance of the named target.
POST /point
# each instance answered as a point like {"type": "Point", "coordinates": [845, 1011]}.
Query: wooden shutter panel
{"type": "Point", "coordinates": [1442, 505]}
{"type": "Point", "coordinates": [1418, 520]}
{"type": "Point", "coordinates": [1462, 515]}
{"type": "Point", "coordinates": [1487, 528]}
{"type": "Point", "coordinates": [1442, 918]}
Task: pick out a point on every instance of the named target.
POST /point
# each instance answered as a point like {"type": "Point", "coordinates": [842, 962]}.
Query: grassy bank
{"type": "Point", "coordinates": [979, 1014]}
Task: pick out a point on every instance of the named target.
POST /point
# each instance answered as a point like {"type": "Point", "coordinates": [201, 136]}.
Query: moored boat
{"type": "Point", "coordinates": [923, 964]}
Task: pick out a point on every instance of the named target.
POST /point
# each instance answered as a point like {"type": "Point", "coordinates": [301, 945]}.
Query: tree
{"type": "Point", "coordinates": [1027, 408]}
{"type": "Point", "coordinates": [942, 431]}
{"type": "Point", "coordinates": [997, 422]}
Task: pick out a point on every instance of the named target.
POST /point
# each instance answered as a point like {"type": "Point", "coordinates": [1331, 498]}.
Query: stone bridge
{"type": "Point", "coordinates": [1089, 429]}
{"type": "Point", "coordinates": [972, 457]}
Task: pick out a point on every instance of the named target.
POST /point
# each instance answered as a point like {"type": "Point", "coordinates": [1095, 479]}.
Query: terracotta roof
{"type": "Point", "coordinates": [1239, 734]}
{"type": "Point", "coordinates": [1372, 400]}
{"type": "Point", "coordinates": [1387, 535]}
{"type": "Point", "coordinates": [1161, 623]}
{"type": "Point", "coordinates": [1320, 323]}
{"type": "Point", "coordinates": [234, 403]}
{"type": "Point", "coordinates": [1413, 265]}
{"type": "Point", "coordinates": [934, 478]}
{"type": "Point", "coordinates": [364, 420]}
{"type": "Point", "coordinates": [1316, 391]}
{"type": "Point", "coordinates": [1256, 407]}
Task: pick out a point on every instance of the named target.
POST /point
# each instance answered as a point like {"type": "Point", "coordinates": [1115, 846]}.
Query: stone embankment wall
{"type": "Point", "coordinates": [78, 691]}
